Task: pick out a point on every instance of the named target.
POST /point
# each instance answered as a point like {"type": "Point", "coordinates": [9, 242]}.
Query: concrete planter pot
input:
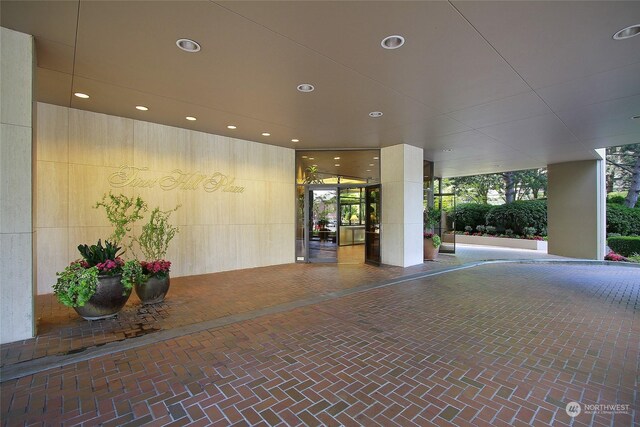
{"type": "Point", "coordinates": [430, 252]}
{"type": "Point", "coordinates": [153, 290]}
{"type": "Point", "coordinates": [108, 300]}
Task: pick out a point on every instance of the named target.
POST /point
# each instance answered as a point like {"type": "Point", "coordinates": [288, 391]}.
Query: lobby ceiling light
{"type": "Point", "coordinates": [266, 134]}
{"type": "Point", "coordinates": [627, 33]}
{"type": "Point", "coordinates": [315, 166]}
{"type": "Point", "coordinates": [376, 158]}
{"type": "Point", "coordinates": [297, 140]}
{"type": "Point", "coordinates": [337, 164]}
{"type": "Point", "coordinates": [81, 95]}
{"type": "Point", "coordinates": [312, 158]}
{"type": "Point", "coordinates": [141, 108]}
{"type": "Point", "coordinates": [306, 87]}
{"type": "Point", "coordinates": [447, 150]}
{"type": "Point", "coordinates": [375, 114]}
{"type": "Point", "coordinates": [191, 118]}
{"type": "Point", "coordinates": [231, 127]}
{"type": "Point", "coordinates": [371, 164]}
{"type": "Point", "coordinates": [336, 158]}
{"type": "Point", "coordinates": [635, 117]}
{"type": "Point", "coordinates": [368, 170]}
{"type": "Point", "coordinates": [304, 157]}
{"type": "Point", "coordinates": [188, 45]}
{"type": "Point", "coordinates": [392, 42]}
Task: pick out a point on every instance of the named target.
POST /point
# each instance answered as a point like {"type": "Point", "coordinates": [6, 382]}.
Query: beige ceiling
{"type": "Point", "coordinates": [481, 86]}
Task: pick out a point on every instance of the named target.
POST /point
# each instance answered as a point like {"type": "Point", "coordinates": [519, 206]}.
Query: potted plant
{"type": "Point", "coordinates": [98, 285]}
{"type": "Point", "coordinates": [154, 242]}
{"type": "Point", "coordinates": [432, 241]}
{"type": "Point", "coordinates": [122, 212]}
{"type": "Point", "coordinates": [431, 244]}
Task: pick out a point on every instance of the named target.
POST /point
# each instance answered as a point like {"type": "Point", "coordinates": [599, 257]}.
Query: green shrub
{"type": "Point", "coordinates": [519, 215]}
{"type": "Point", "coordinates": [616, 199]}
{"type": "Point", "coordinates": [481, 229]}
{"type": "Point", "coordinates": [470, 215]}
{"type": "Point", "coordinates": [625, 245]}
{"type": "Point", "coordinates": [623, 220]}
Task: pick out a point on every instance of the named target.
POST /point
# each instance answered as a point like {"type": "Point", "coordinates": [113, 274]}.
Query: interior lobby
{"type": "Point", "coordinates": [295, 137]}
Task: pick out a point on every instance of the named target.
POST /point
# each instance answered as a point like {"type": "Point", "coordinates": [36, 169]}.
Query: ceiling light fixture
{"type": "Point", "coordinates": [231, 127]}
{"type": "Point", "coordinates": [191, 118]}
{"type": "Point", "coordinates": [306, 87]}
{"type": "Point", "coordinates": [304, 157]}
{"type": "Point", "coordinates": [315, 165]}
{"type": "Point", "coordinates": [627, 33]}
{"type": "Point", "coordinates": [337, 164]}
{"type": "Point", "coordinates": [376, 158]}
{"type": "Point", "coordinates": [312, 158]}
{"type": "Point", "coordinates": [141, 108]}
{"type": "Point", "coordinates": [392, 42]}
{"type": "Point", "coordinates": [336, 158]}
{"type": "Point", "coordinates": [188, 45]}
{"type": "Point", "coordinates": [447, 150]}
{"type": "Point", "coordinates": [371, 164]}
{"type": "Point", "coordinates": [375, 114]}
{"type": "Point", "coordinates": [368, 170]}
{"type": "Point", "coordinates": [295, 140]}
{"type": "Point", "coordinates": [635, 117]}
{"type": "Point", "coordinates": [266, 134]}
{"type": "Point", "coordinates": [81, 95]}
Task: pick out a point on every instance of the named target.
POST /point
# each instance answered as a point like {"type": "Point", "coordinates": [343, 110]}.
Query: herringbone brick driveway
{"type": "Point", "coordinates": [502, 344]}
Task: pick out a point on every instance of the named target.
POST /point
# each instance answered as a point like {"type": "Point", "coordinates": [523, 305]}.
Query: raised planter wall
{"type": "Point", "coordinates": [535, 245]}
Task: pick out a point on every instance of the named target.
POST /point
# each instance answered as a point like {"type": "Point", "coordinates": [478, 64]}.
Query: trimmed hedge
{"type": "Point", "coordinates": [625, 245]}
{"type": "Point", "coordinates": [519, 215]}
{"type": "Point", "coordinates": [470, 214]}
{"type": "Point", "coordinates": [622, 220]}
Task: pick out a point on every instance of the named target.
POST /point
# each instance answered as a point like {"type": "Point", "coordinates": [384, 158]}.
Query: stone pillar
{"type": "Point", "coordinates": [16, 226]}
{"type": "Point", "coordinates": [576, 213]}
{"type": "Point", "coordinates": [401, 228]}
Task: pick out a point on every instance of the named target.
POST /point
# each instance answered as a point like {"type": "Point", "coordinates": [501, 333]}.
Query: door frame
{"type": "Point", "coordinates": [310, 187]}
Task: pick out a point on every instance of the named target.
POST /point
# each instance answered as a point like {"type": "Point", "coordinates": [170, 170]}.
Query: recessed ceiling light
{"type": "Point", "coordinates": [337, 164]}
{"type": "Point", "coordinates": [266, 134]}
{"type": "Point", "coordinates": [312, 158]}
{"type": "Point", "coordinates": [368, 170]}
{"type": "Point", "coordinates": [141, 108]}
{"type": "Point", "coordinates": [231, 127]}
{"type": "Point", "coordinates": [635, 117]}
{"type": "Point", "coordinates": [306, 87]}
{"type": "Point", "coordinates": [81, 95]}
{"type": "Point", "coordinates": [392, 42]}
{"type": "Point", "coordinates": [295, 140]}
{"type": "Point", "coordinates": [191, 118]}
{"type": "Point", "coordinates": [627, 33]}
{"type": "Point", "coordinates": [371, 164]}
{"type": "Point", "coordinates": [304, 157]}
{"type": "Point", "coordinates": [336, 158]}
{"type": "Point", "coordinates": [447, 150]}
{"type": "Point", "coordinates": [315, 165]}
{"type": "Point", "coordinates": [375, 114]}
{"type": "Point", "coordinates": [376, 158]}
{"type": "Point", "coordinates": [188, 45]}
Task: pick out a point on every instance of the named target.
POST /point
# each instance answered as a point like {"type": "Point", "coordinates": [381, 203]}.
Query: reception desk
{"type": "Point", "coordinates": [351, 235]}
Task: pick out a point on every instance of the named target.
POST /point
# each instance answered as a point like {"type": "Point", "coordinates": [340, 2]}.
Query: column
{"type": "Point", "coordinates": [16, 227]}
{"type": "Point", "coordinates": [401, 227]}
{"type": "Point", "coordinates": [576, 214]}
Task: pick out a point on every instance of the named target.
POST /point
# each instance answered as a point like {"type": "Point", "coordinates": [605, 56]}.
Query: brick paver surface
{"type": "Point", "coordinates": [505, 344]}
{"type": "Point", "coordinates": [196, 299]}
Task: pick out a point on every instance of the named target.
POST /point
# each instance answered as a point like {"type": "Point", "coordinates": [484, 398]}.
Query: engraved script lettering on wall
{"type": "Point", "coordinates": [131, 176]}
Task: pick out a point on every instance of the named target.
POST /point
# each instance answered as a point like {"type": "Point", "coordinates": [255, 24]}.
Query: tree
{"type": "Point", "coordinates": [623, 171]}
{"type": "Point", "coordinates": [476, 188]}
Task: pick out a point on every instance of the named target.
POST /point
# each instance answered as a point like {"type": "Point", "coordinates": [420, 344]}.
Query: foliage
{"type": "Point", "coordinates": [158, 268]}
{"type": "Point", "coordinates": [98, 255]}
{"type": "Point", "coordinates": [131, 274]}
{"type": "Point", "coordinates": [475, 189]}
{"type": "Point", "coordinates": [624, 245]}
{"type": "Point", "coordinates": [623, 171]}
{"type": "Point", "coordinates": [431, 217]}
{"type": "Point", "coordinates": [434, 238]}
{"type": "Point", "coordinates": [481, 229]}
{"type": "Point", "coordinates": [615, 198]}
{"type": "Point", "coordinates": [622, 220]}
{"type": "Point", "coordinates": [491, 230]}
{"type": "Point", "coordinates": [122, 212]}
{"type": "Point", "coordinates": [518, 215]}
{"type": "Point", "coordinates": [76, 284]}
{"type": "Point", "coordinates": [529, 231]}
{"type": "Point", "coordinates": [634, 258]}
{"type": "Point", "coordinates": [157, 234]}
{"type": "Point", "coordinates": [508, 232]}
{"type": "Point", "coordinates": [511, 185]}
{"type": "Point", "coordinates": [468, 228]}
{"type": "Point", "coordinates": [311, 175]}
{"type": "Point", "coordinates": [470, 215]}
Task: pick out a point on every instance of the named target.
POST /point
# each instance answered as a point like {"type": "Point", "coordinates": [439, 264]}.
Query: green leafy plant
{"type": "Point", "coordinates": [431, 217]}
{"type": "Point", "coordinates": [156, 234]}
{"type": "Point", "coordinates": [435, 239]}
{"type": "Point", "coordinates": [98, 254]}
{"type": "Point", "coordinates": [481, 229]}
{"type": "Point", "coordinates": [131, 274]}
{"type": "Point", "coordinates": [122, 212]}
{"type": "Point", "coordinates": [311, 175]}
{"type": "Point", "coordinates": [624, 245]}
{"type": "Point", "coordinates": [529, 231]}
{"type": "Point", "coordinates": [76, 284]}
{"type": "Point", "coordinates": [491, 230]}
{"type": "Point", "coordinates": [470, 215]}
{"type": "Point", "coordinates": [518, 215]}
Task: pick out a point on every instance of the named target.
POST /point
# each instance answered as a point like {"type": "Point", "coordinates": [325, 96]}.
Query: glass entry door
{"type": "Point", "coordinates": [322, 226]}
{"type": "Point", "coordinates": [373, 208]}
